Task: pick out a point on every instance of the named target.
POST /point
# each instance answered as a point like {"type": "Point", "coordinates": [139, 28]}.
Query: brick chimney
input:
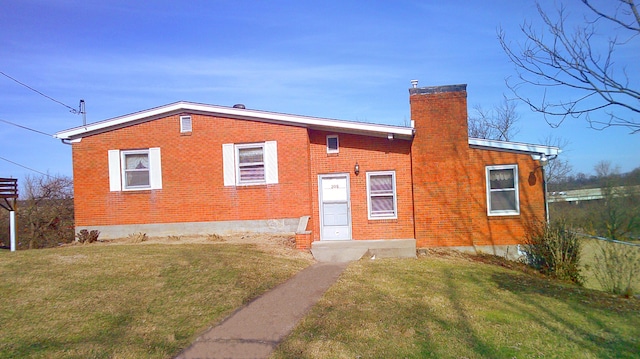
{"type": "Point", "coordinates": [440, 165]}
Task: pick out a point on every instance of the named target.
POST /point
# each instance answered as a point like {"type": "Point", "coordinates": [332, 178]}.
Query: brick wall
{"type": "Point", "coordinates": [440, 154]}
{"type": "Point", "coordinates": [192, 175]}
{"type": "Point", "coordinates": [440, 180]}
{"type": "Point", "coordinates": [372, 154]}
{"type": "Point", "coordinates": [449, 181]}
{"type": "Point", "coordinates": [502, 230]}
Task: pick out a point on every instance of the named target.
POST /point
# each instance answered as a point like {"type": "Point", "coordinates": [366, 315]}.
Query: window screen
{"type": "Point", "coordinates": [502, 184]}
{"type": "Point", "coordinates": [382, 196]}
{"type": "Point", "coordinates": [136, 170]}
{"type": "Point", "coordinates": [251, 164]}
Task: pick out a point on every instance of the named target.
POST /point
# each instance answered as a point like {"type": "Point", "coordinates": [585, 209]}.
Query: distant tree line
{"type": "Point", "coordinates": [616, 216]}
{"type": "Point", "coordinates": [605, 175]}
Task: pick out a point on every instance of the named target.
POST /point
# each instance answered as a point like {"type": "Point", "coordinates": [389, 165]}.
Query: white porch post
{"type": "Point", "coordinates": [12, 229]}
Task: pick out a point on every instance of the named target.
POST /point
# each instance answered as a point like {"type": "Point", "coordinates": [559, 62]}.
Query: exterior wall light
{"type": "Point", "coordinates": [356, 169]}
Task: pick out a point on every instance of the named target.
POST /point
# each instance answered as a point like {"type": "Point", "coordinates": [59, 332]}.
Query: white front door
{"type": "Point", "coordinates": [335, 211]}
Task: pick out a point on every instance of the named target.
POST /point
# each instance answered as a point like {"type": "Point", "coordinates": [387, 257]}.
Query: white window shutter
{"type": "Point", "coordinates": [228, 164]}
{"type": "Point", "coordinates": [115, 174]}
{"type": "Point", "coordinates": [155, 168]}
{"type": "Point", "coordinates": [271, 162]}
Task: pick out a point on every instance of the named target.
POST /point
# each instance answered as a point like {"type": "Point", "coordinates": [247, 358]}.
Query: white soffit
{"type": "Point", "coordinates": [515, 146]}
{"type": "Point", "coordinates": [272, 117]}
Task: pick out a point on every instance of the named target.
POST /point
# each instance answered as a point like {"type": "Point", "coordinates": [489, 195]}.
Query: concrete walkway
{"type": "Point", "coordinates": [256, 329]}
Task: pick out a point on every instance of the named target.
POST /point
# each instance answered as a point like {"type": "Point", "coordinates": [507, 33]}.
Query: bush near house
{"type": "Point", "coordinates": [617, 268]}
{"type": "Point", "coordinates": [554, 249]}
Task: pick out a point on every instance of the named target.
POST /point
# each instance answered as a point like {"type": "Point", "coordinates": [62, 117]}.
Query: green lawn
{"type": "Point", "coordinates": [126, 301]}
{"type": "Point", "coordinates": [453, 307]}
{"type": "Point", "coordinates": [149, 301]}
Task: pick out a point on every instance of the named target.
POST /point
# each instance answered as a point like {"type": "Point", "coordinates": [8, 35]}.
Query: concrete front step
{"type": "Point", "coordinates": [345, 251]}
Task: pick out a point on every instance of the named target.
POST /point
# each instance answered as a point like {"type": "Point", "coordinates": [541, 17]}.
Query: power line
{"type": "Point", "coordinates": [72, 110]}
{"type": "Point", "coordinates": [25, 167]}
{"type": "Point", "coordinates": [26, 128]}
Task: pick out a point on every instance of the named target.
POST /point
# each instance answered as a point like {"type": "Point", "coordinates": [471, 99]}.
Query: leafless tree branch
{"type": "Point", "coordinates": [580, 65]}
{"type": "Point", "coordinates": [500, 123]}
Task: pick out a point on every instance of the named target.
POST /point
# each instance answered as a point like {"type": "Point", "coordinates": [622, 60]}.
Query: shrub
{"type": "Point", "coordinates": [616, 268]}
{"type": "Point", "coordinates": [137, 237]}
{"type": "Point", "coordinates": [554, 250]}
{"type": "Point", "coordinates": [215, 238]}
{"type": "Point", "coordinates": [84, 236]}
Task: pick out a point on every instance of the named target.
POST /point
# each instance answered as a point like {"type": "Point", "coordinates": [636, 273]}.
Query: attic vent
{"type": "Point", "coordinates": [239, 105]}
{"type": "Point", "coordinates": [185, 124]}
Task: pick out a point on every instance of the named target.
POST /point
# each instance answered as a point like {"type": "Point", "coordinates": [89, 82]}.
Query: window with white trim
{"type": "Point", "coordinates": [502, 190]}
{"type": "Point", "coordinates": [381, 195]}
{"type": "Point", "coordinates": [131, 170]}
{"type": "Point", "coordinates": [135, 169]}
{"type": "Point", "coordinates": [332, 144]}
{"type": "Point", "coordinates": [185, 124]}
{"type": "Point", "coordinates": [250, 163]}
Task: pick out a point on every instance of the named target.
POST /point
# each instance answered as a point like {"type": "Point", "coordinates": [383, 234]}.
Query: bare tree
{"type": "Point", "coordinates": [557, 170]}
{"type": "Point", "coordinates": [575, 65]}
{"type": "Point", "coordinates": [496, 124]}
{"type": "Point", "coordinates": [45, 213]}
{"type": "Point", "coordinates": [605, 169]}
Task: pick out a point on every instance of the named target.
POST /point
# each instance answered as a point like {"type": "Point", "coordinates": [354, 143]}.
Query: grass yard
{"type": "Point", "coordinates": [126, 301]}
{"type": "Point", "coordinates": [442, 306]}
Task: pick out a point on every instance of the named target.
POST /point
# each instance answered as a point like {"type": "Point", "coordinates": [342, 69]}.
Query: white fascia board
{"type": "Point", "coordinates": [304, 121]}
{"type": "Point", "coordinates": [515, 146]}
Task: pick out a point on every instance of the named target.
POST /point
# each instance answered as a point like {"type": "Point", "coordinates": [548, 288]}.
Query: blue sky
{"type": "Point", "coordinates": [350, 60]}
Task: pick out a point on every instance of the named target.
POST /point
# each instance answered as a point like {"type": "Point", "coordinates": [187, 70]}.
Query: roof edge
{"type": "Point", "coordinates": [238, 113]}
{"type": "Point", "coordinates": [515, 146]}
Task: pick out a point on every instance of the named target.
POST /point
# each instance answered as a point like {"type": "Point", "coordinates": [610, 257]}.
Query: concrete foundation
{"type": "Point", "coordinates": [345, 251]}
{"type": "Point", "coordinates": [512, 252]}
{"type": "Point", "coordinates": [285, 225]}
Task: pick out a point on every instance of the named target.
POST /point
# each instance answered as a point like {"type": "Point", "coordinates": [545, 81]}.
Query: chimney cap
{"type": "Point", "coordinates": [414, 83]}
{"type": "Point", "coordinates": [438, 89]}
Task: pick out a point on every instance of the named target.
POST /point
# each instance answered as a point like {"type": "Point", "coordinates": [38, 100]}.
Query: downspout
{"type": "Point", "coordinates": [544, 194]}
{"type": "Point", "coordinates": [544, 160]}
{"type": "Point", "coordinates": [413, 199]}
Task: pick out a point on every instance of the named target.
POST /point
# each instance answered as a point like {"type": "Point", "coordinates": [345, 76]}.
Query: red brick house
{"type": "Point", "coordinates": [189, 168]}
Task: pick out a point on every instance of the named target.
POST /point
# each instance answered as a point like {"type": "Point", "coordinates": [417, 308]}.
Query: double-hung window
{"type": "Point", "coordinates": [131, 170]}
{"type": "Point", "coordinates": [381, 193]}
{"type": "Point", "coordinates": [250, 159]}
{"type": "Point", "coordinates": [502, 190]}
{"type": "Point", "coordinates": [135, 169]}
{"type": "Point", "coordinates": [250, 163]}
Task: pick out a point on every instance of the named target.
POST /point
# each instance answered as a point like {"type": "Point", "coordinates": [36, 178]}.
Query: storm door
{"type": "Point", "coordinates": [335, 212]}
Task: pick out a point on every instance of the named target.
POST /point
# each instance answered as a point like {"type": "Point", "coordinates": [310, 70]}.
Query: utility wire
{"type": "Point", "coordinates": [26, 128]}
{"type": "Point", "coordinates": [71, 109]}
{"type": "Point", "coordinates": [25, 167]}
